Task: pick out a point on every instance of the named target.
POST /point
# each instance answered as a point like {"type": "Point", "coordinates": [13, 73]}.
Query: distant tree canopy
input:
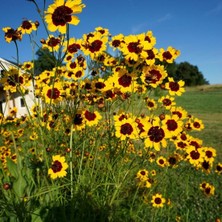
{"type": "Point", "coordinates": [45, 61]}
{"type": "Point", "coordinates": [190, 74]}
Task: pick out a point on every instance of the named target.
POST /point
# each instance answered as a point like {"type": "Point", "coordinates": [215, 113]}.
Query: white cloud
{"type": "Point", "coordinates": [144, 25]}
{"type": "Point", "coordinates": [139, 27]}
{"type": "Point", "coordinates": [164, 18]}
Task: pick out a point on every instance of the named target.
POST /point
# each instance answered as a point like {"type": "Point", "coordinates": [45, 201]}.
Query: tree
{"type": "Point", "coordinates": [45, 61]}
{"type": "Point", "coordinates": [190, 74]}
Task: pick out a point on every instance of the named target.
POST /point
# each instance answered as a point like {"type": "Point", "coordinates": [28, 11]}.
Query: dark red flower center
{"type": "Point", "coordinates": [209, 154]}
{"type": "Point", "coordinates": [116, 43]}
{"type": "Point", "coordinates": [167, 55]}
{"type": "Point", "coordinates": [150, 54]}
{"type": "Point", "coordinates": [156, 134]}
{"type": "Point", "coordinates": [134, 47]}
{"type": "Point", "coordinates": [125, 80]}
{"type": "Point", "coordinates": [143, 172]}
{"type": "Point", "coordinates": [126, 129]}
{"type": "Point", "coordinates": [53, 93]}
{"type": "Point", "coordinates": [56, 166]}
{"type": "Point", "coordinates": [171, 125]}
{"type": "Point", "coordinates": [174, 86]}
{"type": "Point", "coordinates": [53, 42]}
{"type": "Point", "coordinates": [195, 155]}
{"type": "Point", "coordinates": [90, 116]}
{"type": "Point", "coordinates": [78, 119]}
{"type": "Point", "coordinates": [26, 25]}
{"type": "Point", "coordinates": [161, 161]}
{"type": "Point", "coordinates": [150, 104]}
{"type": "Point", "coordinates": [167, 102]}
{"type": "Point", "coordinates": [95, 46]}
{"type": "Point", "coordinates": [196, 125]}
{"type": "Point", "coordinates": [62, 15]}
{"type": "Point", "coordinates": [157, 200]}
{"type": "Point", "coordinates": [73, 48]}
{"type": "Point", "coordinates": [182, 145]}
{"type": "Point", "coordinates": [78, 74]}
{"type": "Point", "coordinates": [100, 85]}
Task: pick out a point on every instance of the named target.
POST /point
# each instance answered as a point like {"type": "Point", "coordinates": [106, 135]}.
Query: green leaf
{"type": "Point", "coordinates": [19, 186]}
{"type": "Point", "coordinates": [12, 167]}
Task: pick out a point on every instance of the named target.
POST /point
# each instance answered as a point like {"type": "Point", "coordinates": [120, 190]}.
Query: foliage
{"type": "Point", "coordinates": [105, 139]}
{"type": "Point", "coordinates": [187, 72]}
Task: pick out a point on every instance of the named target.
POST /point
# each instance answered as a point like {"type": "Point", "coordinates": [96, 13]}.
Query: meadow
{"type": "Point", "coordinates": [109, 138]}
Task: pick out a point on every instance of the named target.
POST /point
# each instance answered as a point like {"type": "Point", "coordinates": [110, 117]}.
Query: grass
{"type": "Point", "coordinates": [205, 103]}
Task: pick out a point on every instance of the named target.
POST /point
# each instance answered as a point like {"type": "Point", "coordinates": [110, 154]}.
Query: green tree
{"type": "Point", "coordinates": [190, 74]}
{"type": "Point", "coordinates": [45, 61]}
{"type": "Point", "coordinates": [187, 72]}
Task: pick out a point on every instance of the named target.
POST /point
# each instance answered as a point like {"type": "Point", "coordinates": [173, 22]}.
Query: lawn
{"type": "Point", "coordinates": [205, 103]}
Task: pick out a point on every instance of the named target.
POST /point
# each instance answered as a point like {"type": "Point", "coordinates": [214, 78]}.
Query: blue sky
{"type": "Point", "coordinates": [192, 26]}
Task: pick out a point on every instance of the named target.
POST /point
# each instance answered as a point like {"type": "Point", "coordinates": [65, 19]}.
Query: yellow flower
{"type": "Point", "coordinates": [175, 88]}
{"type": "Point", "coordinates": [12, 34]}
{"type": "Point", "coordinates": [28, 26]}
{"type": "Point", "coordinates": [168, 55]}
{"type": "Point", "coordinates": [158, 200]}
{"type": "Point", "coordinates": [58, 167]}
{"type": "Point", "coordinates": [61, 13]}
{"type": "Point", "coordinates": [126, 128]}
{"type": "Point", "coordinates": [154, 135]}
{"type": "Point", "coordinates": [53, 94]}
{"type": "Point", "coordinates": [92, 118]}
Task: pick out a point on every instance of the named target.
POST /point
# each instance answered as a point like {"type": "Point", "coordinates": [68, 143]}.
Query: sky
{"type": "Point", "coordinates": [192, 26]}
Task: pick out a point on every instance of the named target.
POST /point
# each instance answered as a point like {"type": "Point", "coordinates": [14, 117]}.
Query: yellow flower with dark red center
{"type": "Point", "coordinates": [168, 55]}
{"type": "Point", "coordinates": [131, 47]}
{"type": "Point", "coordinates": [210, 154]}
{"type": "Point", "coordinates": [52, 43]}
{"type": "Point", "coordinates": [167, 101]}
{"type": "Point", "coordinates": [174, 87]}
{"type": "Point", "coordinates": [116, 41]}
{"type": "Point", "coordinates": [79, 121]}
{"type": "Point", "coordinates": [94, 44]}
{"type": "Point", "coordinates": [58, 167]}
{"type": "Point", "coordinates": [179, 111]}
{"type": "Point", "coordinates": [53, 94]}
{"type": "Point", "coordinates": [162, 161]}
{"type": "Point", "coordinates": [72, 46]}
{"type": "Point", "coordinates": [207, 188]}
{"type": "Point", "coordinates": [12, 34]}
{"type": "Point", "coordinates": [126, 128]}
{"type": "Point", "coordinates": [154, 135]}
{"type": "Point", "coordinates": [61, 13]}
{"type": "Point", "coordinates": [196, 124]}
{"type": "Point", "coordinates": [123, 80]}
{"type": "Point", "coordinates": [92, 118]}
{"type": "Point", "coordinates": [195, 156]}
{"type": "Point", "coordinates": [142, 175]}
{"type": "Point", "coordinates": [158, 200]}
{"type": "Point", "coordinates": [27, 66]}
{"type": "Point", "coordinates": [27, 27]}
{"type": "Point", "coordinates": [173, 125]}
{"type": "Point", "coordinates": [218, 169]}
{"type": "Point", "coordinates": [150, 56]}
{"type": "Point", "coordinates": [150, 103]}
{"type": "Point", "coordinates": [153, 75]}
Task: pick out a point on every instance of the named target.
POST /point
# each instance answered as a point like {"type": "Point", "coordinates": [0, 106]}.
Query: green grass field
{"type": "Point", "coordinates": [205, 103]}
